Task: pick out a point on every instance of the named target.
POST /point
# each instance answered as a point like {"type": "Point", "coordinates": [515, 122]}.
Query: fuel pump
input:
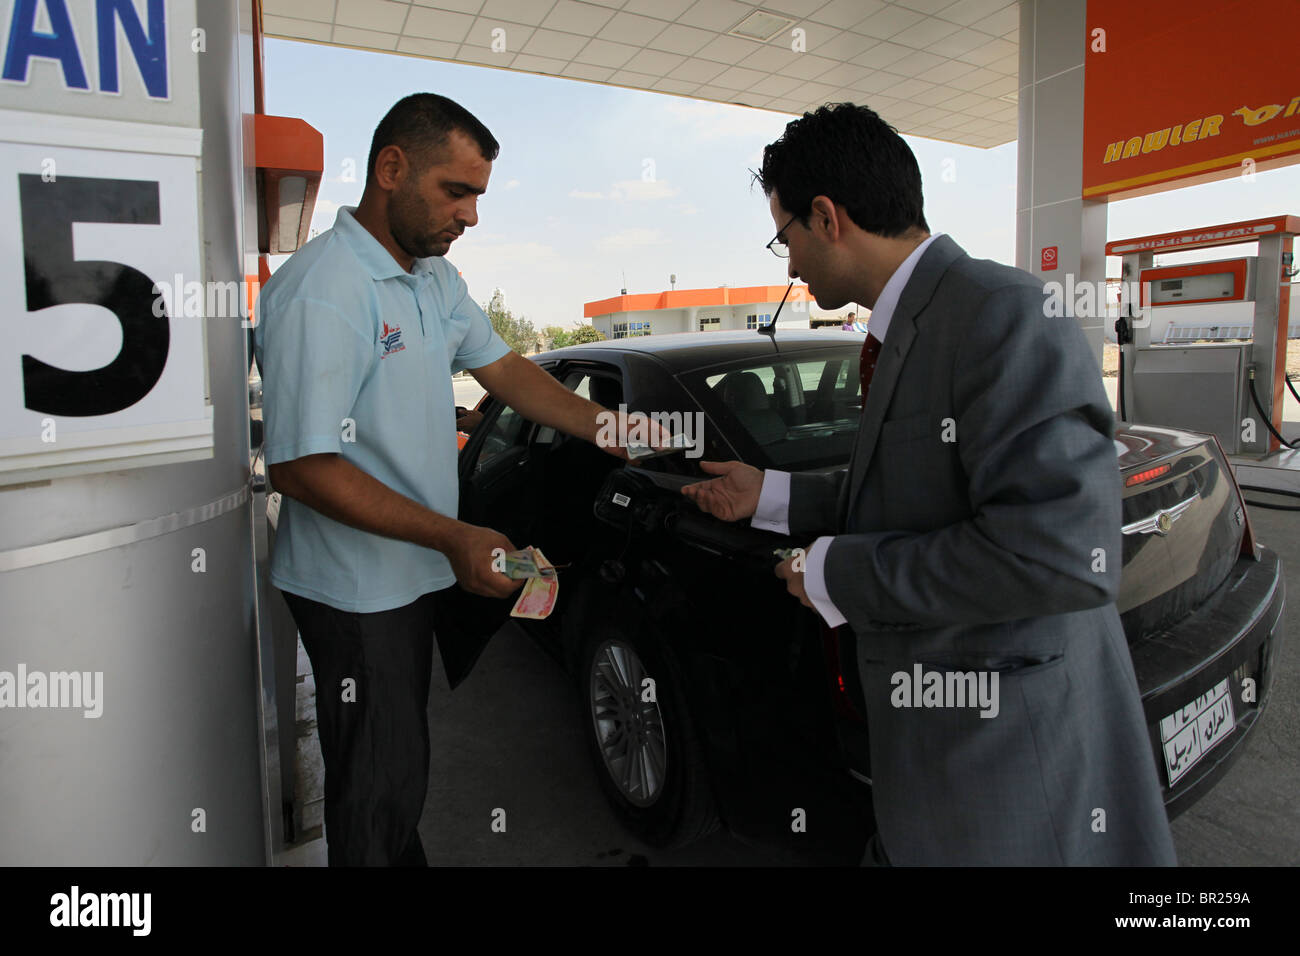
{"type": "Point", "coordinates": [1203, 344]}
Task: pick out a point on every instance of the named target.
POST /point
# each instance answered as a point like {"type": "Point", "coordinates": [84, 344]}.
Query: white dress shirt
{"type": "Point", "coordinates": [773, 511]}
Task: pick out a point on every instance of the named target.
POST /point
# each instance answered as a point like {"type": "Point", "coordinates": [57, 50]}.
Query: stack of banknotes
{"type": "Point", "coordinates": [673, 446]}
{"type": "Point", "coordinates": [537, 599]}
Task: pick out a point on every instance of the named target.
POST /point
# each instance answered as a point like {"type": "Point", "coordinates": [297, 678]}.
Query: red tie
{"type": "Point", "coordinates": [867, 367]}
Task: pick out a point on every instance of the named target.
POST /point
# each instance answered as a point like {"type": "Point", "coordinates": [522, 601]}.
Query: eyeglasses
{"type": "Point", "coordinates": [778, 245]}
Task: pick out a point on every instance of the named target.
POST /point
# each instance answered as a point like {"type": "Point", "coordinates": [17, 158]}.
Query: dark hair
{"type": "Point", "coordinates": [850, 155]}
{"type": "Point", "coordinates": [420, 124]}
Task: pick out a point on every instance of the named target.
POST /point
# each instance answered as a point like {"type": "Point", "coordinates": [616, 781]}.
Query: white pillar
{"type": "Point", "coordinates": [1050, 208]}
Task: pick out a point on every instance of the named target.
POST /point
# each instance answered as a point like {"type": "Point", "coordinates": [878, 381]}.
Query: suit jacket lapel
{"type": "Point", "coordinates": [916, 296]}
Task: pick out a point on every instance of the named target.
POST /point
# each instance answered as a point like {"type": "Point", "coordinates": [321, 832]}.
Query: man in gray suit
{"type": "Point", "coordinates": [973, 545]}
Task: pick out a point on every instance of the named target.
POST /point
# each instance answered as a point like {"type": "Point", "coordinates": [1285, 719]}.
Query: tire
{"type": "Point", "coordinates": [645, 753]}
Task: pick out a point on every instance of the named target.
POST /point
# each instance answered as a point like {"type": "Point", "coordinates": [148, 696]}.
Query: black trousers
{"type": "Point", "coordinates": [372, 675]}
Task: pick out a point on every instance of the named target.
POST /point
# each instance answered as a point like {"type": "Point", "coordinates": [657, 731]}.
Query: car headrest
{"type": "Point", "coordinates": [744, 392]}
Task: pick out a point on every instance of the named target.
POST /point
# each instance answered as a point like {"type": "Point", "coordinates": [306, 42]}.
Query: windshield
{"type": "Point", "coordinates": [794, 413]}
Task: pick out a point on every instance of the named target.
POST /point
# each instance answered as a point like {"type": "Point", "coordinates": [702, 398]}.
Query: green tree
{"type": "Point", "coordinates": [554, 337]}
{"type": "Point", "coordinates": [516, 332]}
{"type": "Point", "coordinates": [586, 333]}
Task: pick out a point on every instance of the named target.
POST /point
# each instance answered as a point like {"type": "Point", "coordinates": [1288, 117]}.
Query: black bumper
{"type": "Point", "coordinates": [1233, 635]}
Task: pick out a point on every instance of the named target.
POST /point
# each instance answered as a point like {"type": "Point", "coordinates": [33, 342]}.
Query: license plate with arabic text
{"type": "Point", "coordinates": [1190, 733]}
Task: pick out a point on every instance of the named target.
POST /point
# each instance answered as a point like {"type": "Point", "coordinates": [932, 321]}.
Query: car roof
{"type": "Point", "coordinates": [681, 351]}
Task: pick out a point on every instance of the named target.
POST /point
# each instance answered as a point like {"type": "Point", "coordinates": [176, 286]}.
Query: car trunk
{"type": "Point", "coordinates": [1183, 524]}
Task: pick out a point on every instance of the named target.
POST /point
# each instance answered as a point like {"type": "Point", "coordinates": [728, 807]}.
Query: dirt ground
{"type": "Point", "coordinates": [1110, 360]}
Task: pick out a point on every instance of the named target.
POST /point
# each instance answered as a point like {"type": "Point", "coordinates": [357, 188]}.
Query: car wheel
{"type": "Point", "coordinates": [645, 751]}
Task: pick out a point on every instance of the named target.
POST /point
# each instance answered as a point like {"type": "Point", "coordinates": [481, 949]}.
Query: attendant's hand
{"type": "Point", "coordinates": [633, 428]}
{"type": "Point", "coordinates": [471, 559]}
{"type": "Point", "coordinates": [793, 580]}
{"type": "Point", "coordinates": [730, 497]}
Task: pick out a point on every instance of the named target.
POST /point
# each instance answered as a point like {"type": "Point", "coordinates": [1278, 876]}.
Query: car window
{"type": "Point", "coordinates": [604, 387]}
{"type": "Point", "coordinates": [810, 375]}
{"type": "Point", "coordinates": [797, 413]}
{"type": "Point", "coordinates": [506, 433]}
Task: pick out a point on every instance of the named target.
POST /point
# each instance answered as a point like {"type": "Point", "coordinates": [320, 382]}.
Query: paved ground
{"type": "Point", "coordinates": [1252, 817]}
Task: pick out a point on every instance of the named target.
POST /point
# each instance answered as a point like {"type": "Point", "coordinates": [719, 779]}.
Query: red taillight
{"type": "Point", "coordinates": [1147, 475]}
{"type": "Point", "coordinates": [1248, 546]}
{"type": "Point", "coordinates": [841, 703]}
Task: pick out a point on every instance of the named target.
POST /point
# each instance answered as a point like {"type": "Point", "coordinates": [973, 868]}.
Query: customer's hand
{"type": "Point", "coordinates": [730, 497]}
{"type": "Point", "coordinates": [471, 559]}
{"type": "Point", "coordinates": [794, 579]}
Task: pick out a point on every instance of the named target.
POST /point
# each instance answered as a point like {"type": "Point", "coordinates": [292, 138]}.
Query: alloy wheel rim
{"type": "Point", "coordinates": [629, 730]}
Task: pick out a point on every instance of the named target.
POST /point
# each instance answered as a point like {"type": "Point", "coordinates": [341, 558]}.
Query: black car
{"type": "Point", "coordinates": [709, 695]}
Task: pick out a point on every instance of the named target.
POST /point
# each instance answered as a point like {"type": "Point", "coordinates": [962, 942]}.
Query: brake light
{"type": "Point", "coordinates": [1249, 549]}
{"type": "Point", "coordinates": [841, 703]}
{"type": "Point", "coordinates": [1144, 476]}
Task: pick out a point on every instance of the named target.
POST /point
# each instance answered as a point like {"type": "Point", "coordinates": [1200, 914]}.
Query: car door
{"type": "Point", "coordinates": [527, 482]}
{"type": "Point", "coordinates": [496, 491]}
{"type": "Point", "coordinates": [524, 480]}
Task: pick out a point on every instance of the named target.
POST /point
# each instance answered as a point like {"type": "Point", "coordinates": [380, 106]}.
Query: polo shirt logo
{"type": "Point", "coordinates": [392, 339]}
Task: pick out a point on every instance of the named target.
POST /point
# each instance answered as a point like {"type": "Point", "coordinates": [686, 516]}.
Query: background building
{"type": "Point", "coordinates": [706, 310]}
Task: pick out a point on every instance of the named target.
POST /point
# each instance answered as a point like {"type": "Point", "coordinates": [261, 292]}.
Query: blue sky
{"type": "Point", "coordinates": [594, 182]}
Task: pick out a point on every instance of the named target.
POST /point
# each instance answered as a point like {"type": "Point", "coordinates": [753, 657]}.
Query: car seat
{"type": "Point", "coordinates": [744, 394]}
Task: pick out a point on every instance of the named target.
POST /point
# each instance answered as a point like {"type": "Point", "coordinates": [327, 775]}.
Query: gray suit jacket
{"type": "Point", "coordinates": [978, 530]}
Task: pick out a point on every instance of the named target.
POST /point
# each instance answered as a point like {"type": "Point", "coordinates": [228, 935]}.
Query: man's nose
{"type": "Point", "coordinates": [468, 215]}
{"type": "Point", "coordinates": [791, 271]}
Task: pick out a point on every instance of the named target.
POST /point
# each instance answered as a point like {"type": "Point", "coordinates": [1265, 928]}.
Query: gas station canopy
{"type": "Point", "coordinates": [933, 68]}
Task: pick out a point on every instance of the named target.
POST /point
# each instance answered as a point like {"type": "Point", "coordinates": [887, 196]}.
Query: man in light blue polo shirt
{"type": "Point", "coordinates": [358, 335]}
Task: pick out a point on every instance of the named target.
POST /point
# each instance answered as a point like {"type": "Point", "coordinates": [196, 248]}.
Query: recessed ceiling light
{"type": "Point", "coordinates": [761, 26]}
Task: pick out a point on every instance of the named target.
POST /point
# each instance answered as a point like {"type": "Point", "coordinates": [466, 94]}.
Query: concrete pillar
{"type": "Point", "coordinates": [140, 582]}
{"type": "Point", "coordinates": [1050, 208]}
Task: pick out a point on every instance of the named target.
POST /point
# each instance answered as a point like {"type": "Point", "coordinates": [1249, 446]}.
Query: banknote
{"type": "Point", "coordinates": [537, 600]}
{"type": "Point", "coordinates": [524, 564]}
{"type": "Point", "coordinates": [675, 444]}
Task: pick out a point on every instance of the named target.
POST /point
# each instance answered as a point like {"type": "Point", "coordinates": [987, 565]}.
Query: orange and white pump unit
{"type": "Point", "coordinates": [1234, 385]}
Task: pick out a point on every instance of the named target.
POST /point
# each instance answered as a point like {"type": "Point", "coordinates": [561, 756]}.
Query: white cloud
{"type": "Point", "coordinates": [719, 120]}
{"type": "Point", "coordinates": [635, 236]}
{"type": "Point", "coordinates": [323, 214]}
{"type": "Point", "coordinates": [641, 190]}
{"type": "Point", "coordinates": [636, 190]}
{"type": "Point", "coordinates": [512, 184]}
{"type": "Point", "coordinates": [483, 253]}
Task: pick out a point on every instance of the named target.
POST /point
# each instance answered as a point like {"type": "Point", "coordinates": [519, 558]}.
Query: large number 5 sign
{"type": "Point", "coordinates": [54, 277]}
{"type": "Point", "coordinates": [102, 361]}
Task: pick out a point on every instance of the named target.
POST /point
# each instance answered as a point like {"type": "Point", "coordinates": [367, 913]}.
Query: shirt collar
{"type": "Point", "coordinates": [379, 262]}
{"type": "Point", "coordinates": [883, 313]}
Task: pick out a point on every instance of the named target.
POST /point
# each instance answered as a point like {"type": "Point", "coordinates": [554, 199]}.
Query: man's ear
{"type": "Point", "coordinates": [825, 218]}
{"type": "Point", "coordinates": [390, 166]}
